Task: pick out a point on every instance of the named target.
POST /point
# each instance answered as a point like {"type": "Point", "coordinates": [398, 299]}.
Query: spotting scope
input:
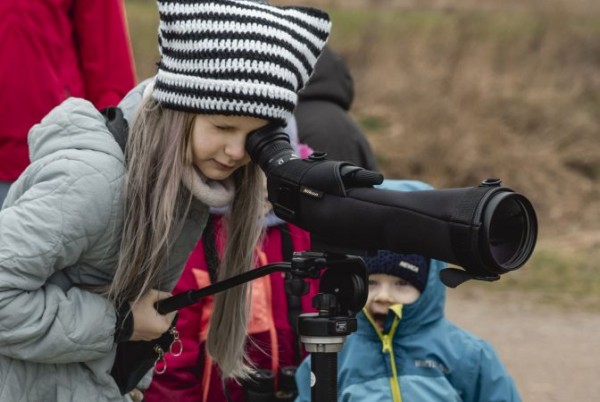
{"type": "Point", "coordinates": [488, 230]}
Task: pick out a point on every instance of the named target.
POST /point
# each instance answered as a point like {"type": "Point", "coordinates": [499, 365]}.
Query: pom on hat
{"type": "Point", "coordinates": [413, 268]}
{"type": "Point", "coordinates": [236, 57]}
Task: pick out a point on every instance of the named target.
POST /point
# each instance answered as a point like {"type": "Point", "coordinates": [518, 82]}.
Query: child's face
{"type": "Point", "coordinates": [219, 143]}
{"type": "Point", "coordinates": [385, 291]}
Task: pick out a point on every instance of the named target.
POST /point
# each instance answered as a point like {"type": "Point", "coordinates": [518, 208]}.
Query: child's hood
{"type": "Point", "coordinates": [429, 307]}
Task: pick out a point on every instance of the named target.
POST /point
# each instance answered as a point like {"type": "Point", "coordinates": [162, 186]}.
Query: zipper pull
{"type": "Point", "coordinates": [387, 343]}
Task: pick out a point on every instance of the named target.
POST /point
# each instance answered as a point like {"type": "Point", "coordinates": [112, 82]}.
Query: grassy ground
{"type": "Point", "coordinates": [564, 278]}
{"type": "Point", "coordinates": [453, 92]}
{"type": "Point", "coordinates": [142, 17]}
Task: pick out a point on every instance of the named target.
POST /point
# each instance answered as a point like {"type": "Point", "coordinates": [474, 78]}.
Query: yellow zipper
{"type": "Point", "coordinates": [386, 340]}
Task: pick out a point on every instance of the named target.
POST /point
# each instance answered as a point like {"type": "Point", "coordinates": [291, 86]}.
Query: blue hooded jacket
{"type": "Point", "coordinates": [421, 356]}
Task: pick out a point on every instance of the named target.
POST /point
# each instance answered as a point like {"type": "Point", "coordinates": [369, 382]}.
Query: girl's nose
{"type": "Point", "coordinates": [236, 148]}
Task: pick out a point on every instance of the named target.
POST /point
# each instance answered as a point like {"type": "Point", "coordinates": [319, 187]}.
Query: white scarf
{"type": "Point", "coordinates": [214, 193]}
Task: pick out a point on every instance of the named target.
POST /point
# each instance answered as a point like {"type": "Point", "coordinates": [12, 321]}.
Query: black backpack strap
{"type": "Point", "coordinates": [116, 124]}
{"type": "Point", "coordinates": [293, 302]}
{"type": "Point", "coordinates": [211, 254]}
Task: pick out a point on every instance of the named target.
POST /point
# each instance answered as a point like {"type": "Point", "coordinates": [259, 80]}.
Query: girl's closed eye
{"type": "Point", "coordinates": [220, 123]}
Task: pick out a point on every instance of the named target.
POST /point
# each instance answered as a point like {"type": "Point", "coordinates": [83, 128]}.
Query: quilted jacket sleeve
{"type": "Point", "coordinates": [49, 227]}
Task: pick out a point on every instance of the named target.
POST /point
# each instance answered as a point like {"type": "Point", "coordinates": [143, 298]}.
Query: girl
{"type": "Point", "coordinates": [271, 337]}
{"type": "Point", "coordinates": [79, 216]}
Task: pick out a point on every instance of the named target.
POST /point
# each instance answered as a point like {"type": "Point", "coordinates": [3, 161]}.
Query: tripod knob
{"type": "Point", "coordinates": [295, 286]}
{"type": "Point", "coordinates": [324, 302]}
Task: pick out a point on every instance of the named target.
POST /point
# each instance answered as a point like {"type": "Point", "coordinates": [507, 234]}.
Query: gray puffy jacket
{"type": "Point", "coordinates": [59, 233]}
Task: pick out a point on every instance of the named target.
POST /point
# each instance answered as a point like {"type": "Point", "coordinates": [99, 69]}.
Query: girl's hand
{"type": "Point", "coordinates": [149, 324]}
{"type": "Point", "coordinates": [136, 395]}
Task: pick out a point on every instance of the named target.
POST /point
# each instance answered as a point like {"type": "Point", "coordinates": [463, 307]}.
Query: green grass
{"type": "Point", "coordinates": [568, 279]}
{"type": "Point", "coordinates": [373, 124]}
{"type": "Point", "coordinates": [350, 26]}
{"type": "Point", "coordinates": [142, 18]}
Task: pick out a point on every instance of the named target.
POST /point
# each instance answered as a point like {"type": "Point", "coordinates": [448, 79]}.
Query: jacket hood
{"type": "Point", "coordinates": [130, 102]}
{"type": "Point", "coordinates": [74, 124]}
{"type": "Point", "coordinates": [331, 81]}
{"type": "Point", "coordinates": [429, 307]}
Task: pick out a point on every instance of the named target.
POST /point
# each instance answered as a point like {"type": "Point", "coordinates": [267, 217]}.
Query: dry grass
{"type": "Point", "coordinates": [451, 92]}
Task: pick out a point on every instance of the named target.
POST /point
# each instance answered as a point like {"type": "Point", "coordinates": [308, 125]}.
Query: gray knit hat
{"type": "Point", "coordinates": [236, 57]}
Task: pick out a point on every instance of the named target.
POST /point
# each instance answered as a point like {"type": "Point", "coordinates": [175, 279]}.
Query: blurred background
{"type": "Point", "coordinates": [453, 92]}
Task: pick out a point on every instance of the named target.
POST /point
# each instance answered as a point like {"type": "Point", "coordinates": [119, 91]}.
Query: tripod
{"type": "Point", "coordinates": [342, 294]}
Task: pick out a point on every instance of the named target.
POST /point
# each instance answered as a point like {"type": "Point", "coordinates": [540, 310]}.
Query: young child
{"type": "Point", "coordinates": [406, 350]}
{"type": "Point", "coordinates": [91, 237]}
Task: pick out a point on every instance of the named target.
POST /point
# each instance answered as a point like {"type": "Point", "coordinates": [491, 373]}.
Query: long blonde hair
{"type": "Point", "coordinates": [156, 205]}
{"type": "Point", "coordinates": [227, 332]}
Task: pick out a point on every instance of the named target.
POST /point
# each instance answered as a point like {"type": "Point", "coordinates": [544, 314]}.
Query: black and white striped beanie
{"type": "Point", "coordinates": [236, 57]}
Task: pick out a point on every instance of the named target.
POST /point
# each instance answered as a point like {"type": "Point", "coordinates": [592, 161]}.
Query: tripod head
{"type": "Point", "coordinates": [343, 290]}
{"type": "Point", "coordinates": [344, 278]}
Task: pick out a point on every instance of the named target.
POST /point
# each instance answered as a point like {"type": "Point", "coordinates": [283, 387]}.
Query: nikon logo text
{"type": "Point", "coordinates": [310, 192]}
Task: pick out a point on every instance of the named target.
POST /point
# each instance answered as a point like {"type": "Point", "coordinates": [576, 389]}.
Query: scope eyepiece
{"type": "Point", "coordinates": [269, 146]}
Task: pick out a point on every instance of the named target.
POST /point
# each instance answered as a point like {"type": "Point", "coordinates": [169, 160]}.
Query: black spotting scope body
{"type": "Point", "coordinates": [488, 230]}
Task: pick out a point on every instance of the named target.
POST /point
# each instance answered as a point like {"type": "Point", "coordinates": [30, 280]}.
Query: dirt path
{"type": "Point", "coordinates": [553, 355]}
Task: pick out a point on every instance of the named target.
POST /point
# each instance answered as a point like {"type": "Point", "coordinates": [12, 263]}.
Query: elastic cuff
{"type": "Point", "coordinates": [124, 324]}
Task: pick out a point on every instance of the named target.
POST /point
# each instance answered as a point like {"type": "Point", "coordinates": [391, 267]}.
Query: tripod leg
{"type": "Point", "coordinates": [324, 382]}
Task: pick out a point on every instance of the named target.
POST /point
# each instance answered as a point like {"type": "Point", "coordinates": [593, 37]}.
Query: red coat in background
{"type": "Point", "coordinates": [193, 376]}
{"type": "Point", "coordinates": [53, 49]}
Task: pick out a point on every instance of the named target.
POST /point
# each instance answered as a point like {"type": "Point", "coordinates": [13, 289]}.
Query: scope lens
{"type": "Point", "coordinates": [512, 230]}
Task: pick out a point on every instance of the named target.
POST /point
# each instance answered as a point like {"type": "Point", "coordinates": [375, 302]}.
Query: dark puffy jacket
{"type": "Point", "coordinates": [322, 114]}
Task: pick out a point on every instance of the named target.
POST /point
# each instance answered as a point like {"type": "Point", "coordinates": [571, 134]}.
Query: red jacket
{"type": "Point", "coordinates": [193, 376]}
{"type": "Point", "coordinates": [53, 49]}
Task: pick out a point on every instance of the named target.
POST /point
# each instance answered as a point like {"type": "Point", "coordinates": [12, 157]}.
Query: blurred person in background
{"type": "Point", "coordinates": [51, 50]}
{"type": "Point", "coordinates": [324, 121]}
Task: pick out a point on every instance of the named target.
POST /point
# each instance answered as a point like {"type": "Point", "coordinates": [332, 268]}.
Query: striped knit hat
{"type": "Point", "coordinates": [236, 57]}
